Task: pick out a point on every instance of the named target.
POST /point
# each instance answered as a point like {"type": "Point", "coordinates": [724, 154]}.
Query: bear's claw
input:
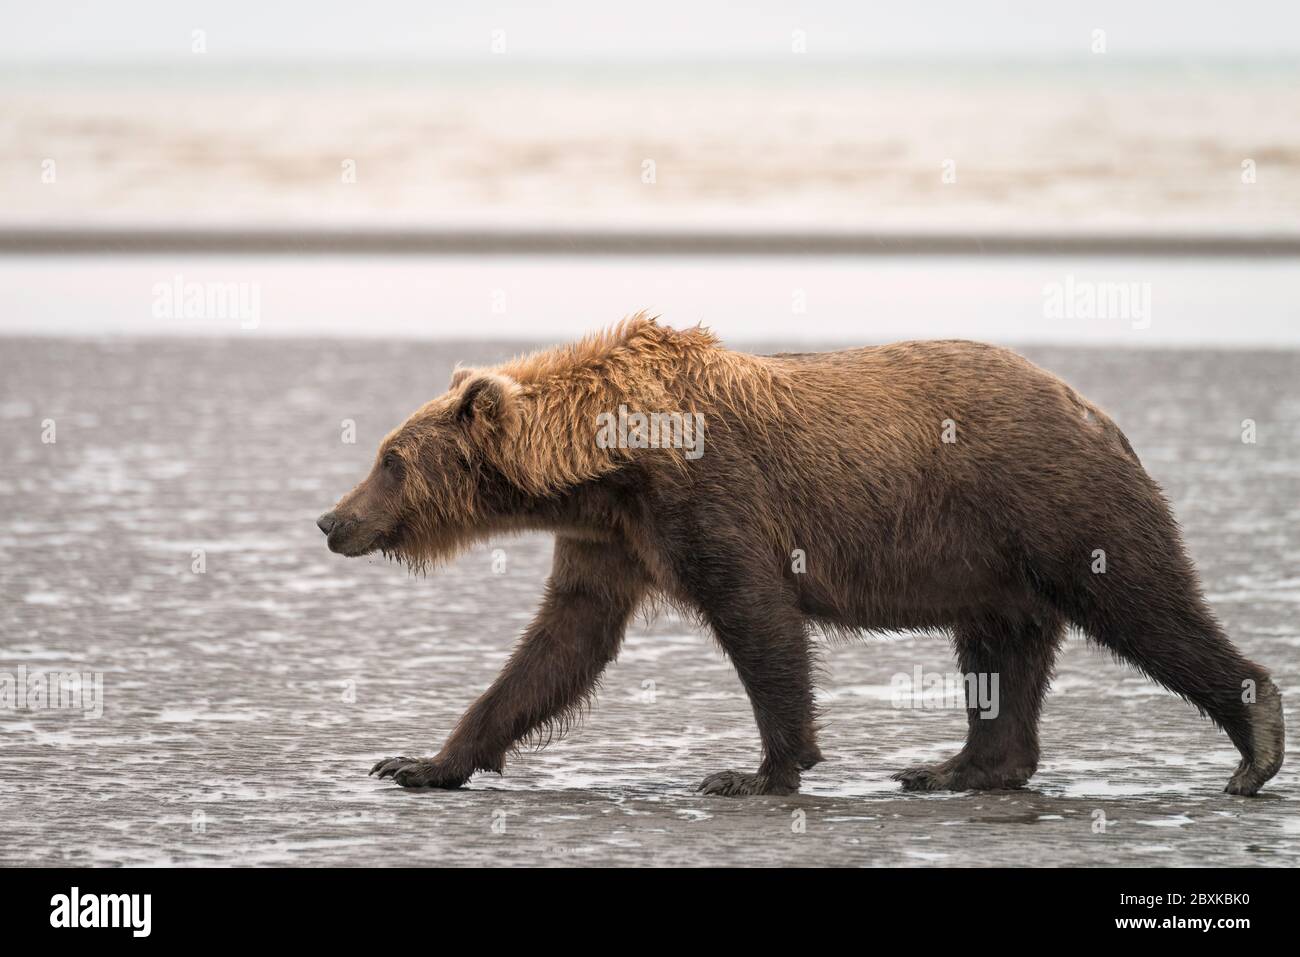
{"type": "Point", "coordinates": [388, 767]}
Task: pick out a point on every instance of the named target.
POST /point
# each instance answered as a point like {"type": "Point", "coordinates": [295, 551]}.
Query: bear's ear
{"type": "Point", "coordinates": [459, 375]}
{"type": "Point", "coordinates": [488, 398]}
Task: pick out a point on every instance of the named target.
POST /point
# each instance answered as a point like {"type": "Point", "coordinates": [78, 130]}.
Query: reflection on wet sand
{"type": "Point", "coordinates": [243, 703]}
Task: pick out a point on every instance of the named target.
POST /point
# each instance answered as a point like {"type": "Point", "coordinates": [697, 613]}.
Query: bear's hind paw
{"type": "Point", "coordinates": [741, 784]}
{"type": "Point", "coordinates": [1249, 778]}
{"type": "Point", "coordinates": [924, 779]}
{"type": "Point", "coordinates": [951, 776]}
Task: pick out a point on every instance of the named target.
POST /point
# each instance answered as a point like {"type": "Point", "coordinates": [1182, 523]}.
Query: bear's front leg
{"type": "Point", "coordinates": [592, 593]}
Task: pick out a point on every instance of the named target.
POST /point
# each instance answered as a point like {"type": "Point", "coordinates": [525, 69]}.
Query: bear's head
{"type": "Point", "coordinates": [433, 486]}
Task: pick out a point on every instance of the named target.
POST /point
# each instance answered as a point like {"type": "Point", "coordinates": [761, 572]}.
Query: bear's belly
{"type": "Point", "coordinates": [931, 595]}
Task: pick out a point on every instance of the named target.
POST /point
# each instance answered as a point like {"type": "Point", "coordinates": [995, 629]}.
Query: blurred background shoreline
{"type": "Point", "coordinates": [1094, 147]}
{"type": "Point", "coordinates": [850, 200]}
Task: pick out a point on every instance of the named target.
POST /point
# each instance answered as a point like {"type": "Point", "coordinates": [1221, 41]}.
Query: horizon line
{"type": "Point", "coordinates": [282, 241]}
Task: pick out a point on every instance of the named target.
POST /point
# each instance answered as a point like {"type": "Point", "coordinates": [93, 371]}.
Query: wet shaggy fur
{"type": "Point", "coordinates": [991, 537]}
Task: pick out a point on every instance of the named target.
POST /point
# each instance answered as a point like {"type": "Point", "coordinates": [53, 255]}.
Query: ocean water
{"type": "Point", "coordinates": [165, 542]}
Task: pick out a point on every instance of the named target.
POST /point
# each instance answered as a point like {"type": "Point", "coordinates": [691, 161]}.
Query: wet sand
{"type": "Point", "coordinates": [242, 706]}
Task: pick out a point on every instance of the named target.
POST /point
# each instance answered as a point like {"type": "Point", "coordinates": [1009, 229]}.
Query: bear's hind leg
{"type": "Point", "coordinates": [1160, 624]}
{"type": "Point", "coordinates": [1007, 664]}
{"type": "Point", "coordinates": [770, 650]}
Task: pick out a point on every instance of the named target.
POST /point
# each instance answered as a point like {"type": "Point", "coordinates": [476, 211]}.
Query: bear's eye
{"type": "Point", "coordinates": [391, 462]}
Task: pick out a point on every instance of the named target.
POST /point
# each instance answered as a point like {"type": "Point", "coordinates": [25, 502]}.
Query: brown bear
{"type": "Point", "coordinates": [927, 485]}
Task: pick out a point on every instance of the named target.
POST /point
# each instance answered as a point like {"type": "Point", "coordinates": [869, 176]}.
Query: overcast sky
{"type": "Point", "coordinates": [596, 29]}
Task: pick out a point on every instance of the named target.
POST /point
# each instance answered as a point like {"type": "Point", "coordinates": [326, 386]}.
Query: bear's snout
{"type": "Point", "coordinates": [347, 535]}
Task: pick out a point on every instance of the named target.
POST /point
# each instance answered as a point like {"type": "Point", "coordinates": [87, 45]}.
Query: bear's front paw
{"type": "Point", "coordinates": [429, 774]}
{"type": "Point", "coordinates": [740, 784]}
{"type": "Point", "coordinates": [419, 773]}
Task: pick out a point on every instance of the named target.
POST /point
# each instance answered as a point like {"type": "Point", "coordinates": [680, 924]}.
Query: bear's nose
{"type": "Point", "coordinates": [327, 522]}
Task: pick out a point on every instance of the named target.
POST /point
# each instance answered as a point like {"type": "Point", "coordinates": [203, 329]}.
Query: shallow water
{"type": "Point", "coordinates": [242, 706]}
{"type": "Point", "coordinates": [1192, 301]}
